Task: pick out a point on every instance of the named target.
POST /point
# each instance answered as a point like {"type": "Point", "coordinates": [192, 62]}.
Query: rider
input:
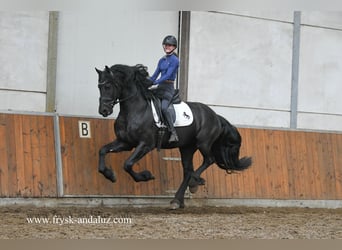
{"type": "Point", "coordinates": [167, 68]}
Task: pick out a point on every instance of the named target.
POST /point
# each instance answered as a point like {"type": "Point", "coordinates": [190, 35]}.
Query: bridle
{"type": "Point", "coordinates": [109, 102]}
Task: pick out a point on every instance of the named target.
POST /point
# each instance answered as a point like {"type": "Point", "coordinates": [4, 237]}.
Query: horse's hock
{"type": "Point", "coordinates": [294, 165]}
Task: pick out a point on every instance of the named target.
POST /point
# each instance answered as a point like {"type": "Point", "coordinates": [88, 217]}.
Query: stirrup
{"type": "Point", "coordinates": [173, 138]}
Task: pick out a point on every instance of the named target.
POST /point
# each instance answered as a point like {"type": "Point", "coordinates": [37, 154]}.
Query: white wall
{"type": "Point", "coordinates": [320, 78]}
{"type": "Point", "coordinates": [241, 67]}
{"type": "Point", "coordinates": [89, 39]}
{"type": "Point", "coordinates": [240, 63]}
{"type": "Point", "coordinates": [23, 60]}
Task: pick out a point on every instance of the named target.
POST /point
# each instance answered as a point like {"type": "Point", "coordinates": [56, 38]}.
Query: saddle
{"type": "Point", "coordinates": [157, 106]}
{"type": "Point", "coordinates": [180, 112]}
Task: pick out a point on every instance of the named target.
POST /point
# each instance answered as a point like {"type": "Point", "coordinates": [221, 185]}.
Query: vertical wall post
{"type": "Point", "coordinates": [295, 69]}
{"type": "Point", "coordinates": [51, 62]}
{"type": "Point", "coordinates": [59, 165]}
{"type": "Point", "coordinates": [184, 41]}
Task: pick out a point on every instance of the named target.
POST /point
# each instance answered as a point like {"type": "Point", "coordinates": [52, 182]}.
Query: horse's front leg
{"type": "Point", "coordinates": [140, 151]}
{"type": "Point", "coordinates": [113, 147]}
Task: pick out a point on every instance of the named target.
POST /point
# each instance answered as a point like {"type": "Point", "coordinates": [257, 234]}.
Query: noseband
{"type": "Point", "coordinates": [107, 102]}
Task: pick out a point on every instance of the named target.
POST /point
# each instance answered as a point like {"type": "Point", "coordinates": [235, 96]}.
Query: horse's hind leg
{"type": "Point", "coordinates": [188, 168]}
{"type": "Point", "coordinates": [113, 147]}
{"type": "Point", "coordinates": [196, 179]}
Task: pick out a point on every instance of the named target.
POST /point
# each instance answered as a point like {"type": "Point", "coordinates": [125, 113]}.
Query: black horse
{"type": "Point", "coordinates": [218, 141]}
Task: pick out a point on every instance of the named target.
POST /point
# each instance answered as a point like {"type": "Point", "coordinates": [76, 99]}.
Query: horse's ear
{"type": "Point", "coordinates": [107, 69]}
{"type": "Point", "coordinates": [98, 71]}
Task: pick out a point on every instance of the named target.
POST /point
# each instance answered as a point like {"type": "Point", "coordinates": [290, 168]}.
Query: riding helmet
{"type": "Point", "coordinates": [170, 40]}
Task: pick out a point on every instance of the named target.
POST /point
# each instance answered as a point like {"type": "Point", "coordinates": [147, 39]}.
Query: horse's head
{"type": "Point", "coordinates": [110, 90]}
{"type": "Point", "coordinates": [120, 83]}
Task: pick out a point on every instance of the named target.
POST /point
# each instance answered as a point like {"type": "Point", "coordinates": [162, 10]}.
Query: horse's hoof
{"type": "Point", "coordinates": [146, 176]}
{"type": "Point", "coordinates": [194, 183]}
{"type": "Point", "coordinates": [112, 178]}
{"type": "Point", "coordinates": [175, 204]}
{"type": "Point", "coordinates": [193, 189]}
{"type": "Point", "coordinates": [108, 174]}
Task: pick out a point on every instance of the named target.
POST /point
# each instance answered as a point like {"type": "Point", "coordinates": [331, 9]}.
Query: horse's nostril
{"type": "Point", "coordinates": [105, 111]}
{"type": "Point", "coordinates": [102, 111]}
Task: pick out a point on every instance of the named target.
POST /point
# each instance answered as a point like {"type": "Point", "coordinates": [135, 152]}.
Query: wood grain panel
{"type": "Point", "coordinates": [80, 163]}
{"type": "Point", "coordinates": [27, 156]}
{"type": "Point", "coordinates": [286, 165]}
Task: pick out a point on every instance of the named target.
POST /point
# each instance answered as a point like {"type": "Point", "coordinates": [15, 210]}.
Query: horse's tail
{"type": "Point", "coordinates": [226, 149]}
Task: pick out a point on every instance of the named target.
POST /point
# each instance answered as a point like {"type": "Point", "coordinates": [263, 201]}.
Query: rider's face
{"type": "Point", "coordinates": [168, 48]}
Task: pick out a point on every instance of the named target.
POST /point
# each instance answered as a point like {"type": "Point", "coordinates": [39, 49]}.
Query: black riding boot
{"type": "Point", "coordinates": [173, 136]}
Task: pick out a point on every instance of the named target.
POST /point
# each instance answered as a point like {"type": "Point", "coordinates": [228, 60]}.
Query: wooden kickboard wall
{"type": "Point", "coordinates": [286, 164]}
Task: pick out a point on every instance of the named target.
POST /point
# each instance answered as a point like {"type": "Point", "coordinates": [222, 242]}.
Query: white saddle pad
{"type": "Point", "coordinates": [184, 116]}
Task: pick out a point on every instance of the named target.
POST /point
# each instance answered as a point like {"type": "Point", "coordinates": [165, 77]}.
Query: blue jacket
{"type": "Point", "coordinates": [167, 67]}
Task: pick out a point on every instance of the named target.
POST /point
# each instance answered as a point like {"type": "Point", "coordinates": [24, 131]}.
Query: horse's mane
{"type": "Point", "coordinates": [137, 75]}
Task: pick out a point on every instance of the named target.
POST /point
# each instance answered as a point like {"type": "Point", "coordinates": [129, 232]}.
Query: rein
{"type": "Point", "coordinates": [126, 98]}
